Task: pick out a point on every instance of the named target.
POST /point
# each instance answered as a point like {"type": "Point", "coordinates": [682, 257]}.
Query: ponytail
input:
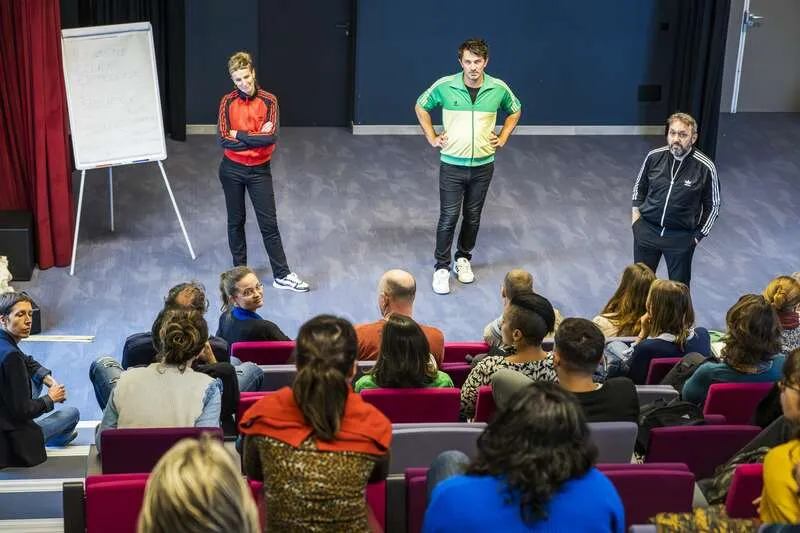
{"type": "Point", "coordinates": [321, 394]}
{"type": "Point", "coordinates": [325, 354]}
{"type": "Point", "coordinates": [227, 285]}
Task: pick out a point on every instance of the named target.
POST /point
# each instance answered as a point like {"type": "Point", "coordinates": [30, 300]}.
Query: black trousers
{"type": "Point", "coordinates": [257, 181]}
{"type": "Point", "coordinates": [459, 186]}
{"type": "Point", "coordinates": [677, 247]}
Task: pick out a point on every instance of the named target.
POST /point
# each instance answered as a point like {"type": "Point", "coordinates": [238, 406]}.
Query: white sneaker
{"type": "Point", "coordinates": [291, 282]}
{"type": "Point", "coordinates": [464, 270]}
{"type": "Point", "coordinates": [441, 281]}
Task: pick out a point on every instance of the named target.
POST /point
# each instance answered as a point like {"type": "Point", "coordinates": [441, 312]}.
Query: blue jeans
{"type": "Point", "coordinates": [249, 376]}
{"type": "Point", "coordinates": [446, 465]}
{"type": "Point", "coordinates": [104, 374]}
{"type": "Point", "coordinates": [58, 426]}
{"type": "Point", "coordinates": [616, 361]}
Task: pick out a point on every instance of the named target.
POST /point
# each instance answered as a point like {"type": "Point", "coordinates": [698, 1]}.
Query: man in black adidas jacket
{"type": "Point", "coordinates": [675, 201]}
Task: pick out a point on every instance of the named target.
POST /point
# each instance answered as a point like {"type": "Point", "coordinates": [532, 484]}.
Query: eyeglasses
{"type": "Point", "coordinates": [252, 291]}
{"type": "Point", "coordinates": [680, 134]}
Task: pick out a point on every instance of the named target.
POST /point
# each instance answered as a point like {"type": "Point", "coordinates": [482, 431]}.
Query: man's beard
{"type": "Point", "coordinates": [678, 151]}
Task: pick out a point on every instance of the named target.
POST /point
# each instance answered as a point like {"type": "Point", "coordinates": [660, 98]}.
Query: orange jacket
{"type": "Point", "coordinates": [247, 115]}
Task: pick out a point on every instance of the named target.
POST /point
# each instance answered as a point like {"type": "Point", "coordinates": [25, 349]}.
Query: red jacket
{"type": "Point", "coordinates": [247, 115]}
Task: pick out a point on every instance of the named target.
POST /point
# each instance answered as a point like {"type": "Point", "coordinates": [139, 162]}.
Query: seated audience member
{"type": "Point", "coordinates": [516, 282]}
{"type": "Point", "coordinates": [396, 292]}
{"type": "Point", "coordinates": [167, 393]}
{"type": "Point", "coordinates": [197, 488]}
{"type": "Point", "coordinates": [316, 444]}
{"type": "Point", "coordinates": [783, 294]}
{"type": "Point", "coordinates": [779, 502]}
{"type": "Point", "coordinates": [141, 350]}
{"type": "Point", "coordinates": [526, 320]}
{"type": "Point", "coordinates": [577, 352]}
{"type": "Point", "coordinates": [534, 472]}
{"type": "Point", "coordinates": [666, 331]}
{"type": "Point", "coordinates": [404, 360]}
{"type": "Point", "coordinates": [24, 430]}
{"type": "Point", "coordinates": [751, 353]}
{"type": "Point", "coordinates": [242, 295]}
{"type": "Point", "coordinates": [621, 316]}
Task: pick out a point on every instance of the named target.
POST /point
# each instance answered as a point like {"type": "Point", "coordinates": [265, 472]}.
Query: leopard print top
{"type": "Point", "coordinates": [307, 490]}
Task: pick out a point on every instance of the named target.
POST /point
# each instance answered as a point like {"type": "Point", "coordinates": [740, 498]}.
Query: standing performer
{"type": "Point", "coordinates": [248, 129]}
{"type": "Point", "coordinates": [469, 101]}
{"type": "Point", "coordinates": [675, 201]}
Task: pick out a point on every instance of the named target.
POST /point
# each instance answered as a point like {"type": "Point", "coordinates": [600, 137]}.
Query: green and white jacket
{"type": "Point", "coordinates": [468, 125]}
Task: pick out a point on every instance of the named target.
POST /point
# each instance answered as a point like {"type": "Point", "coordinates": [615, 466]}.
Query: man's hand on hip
{"type": "Point", "coordinates": [635, 215]}
{"type": "Point", "coordinates": [497, 141]}
{"type": "Point", "coordinates": [440, 141]}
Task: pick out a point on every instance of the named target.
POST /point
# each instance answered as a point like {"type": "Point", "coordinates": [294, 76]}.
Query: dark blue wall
{"type": "Point", "coordinates": [214, 31]}
{"type": "Point", "coordinates": [569, 61]}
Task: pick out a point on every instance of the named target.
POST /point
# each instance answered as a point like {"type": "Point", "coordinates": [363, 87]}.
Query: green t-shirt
{"type": "Point", "coordinates": [366, 381]}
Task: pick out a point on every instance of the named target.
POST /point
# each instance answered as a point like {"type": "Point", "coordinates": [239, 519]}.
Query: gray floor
{"type": "Point", "coordinates": [351, 207]}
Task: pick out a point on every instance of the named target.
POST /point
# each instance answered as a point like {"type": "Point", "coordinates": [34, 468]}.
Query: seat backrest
{"type": "Point", "coordinates": [650, 393]}
{"type": "Point", "coordinates": [484, 405]}
{"type": "Point", "coordinates": [458, 372]}
{"type": "Point", "coordinates": [278, 376]}
{"type": "Point", "coordinates": [131, 450]}
{"type": "Point", "coordinates": [737, 402]}
{"type": "Point", "coordinates": [456, 352]}
{"type": "Point", "coordinates": [701, 448]}
{"type": "Point", "coordinates": [418, 447]}
{"type": "Point", "coordinates": [113, 502]}
{"type": "Point", "coordinates": [746, 486]}
{"type": "Point", "coordinates": [614, 440]}
{"type": "Point", "coordinates": [645, 493]}
{"type": "Point", "coordinates": [113, 505]}
{"type": "Point", "coordinates": [416, 405]}
{"type": "Point", "coordinates": [264, 352]}
{"type": "Point", "coordinates": [659, 368]}
{"type": "Point", "coordinates": [246, 401]}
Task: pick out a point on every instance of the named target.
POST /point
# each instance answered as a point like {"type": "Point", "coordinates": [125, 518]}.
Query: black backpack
{"type": "Point", "coordinates": [661, 413]}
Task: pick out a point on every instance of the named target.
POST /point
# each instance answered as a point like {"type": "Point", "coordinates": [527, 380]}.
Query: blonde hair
{"type": "Point", "coordinates": [686, 118]}
{"type": "Point", "coordinates": [669, 305]}
{"type": "Point", "coordinates": [197, 488]}
{"type": "Point", "coordinates": [783, 293]}
{"type": "Point", "coordinates": [238, 61]}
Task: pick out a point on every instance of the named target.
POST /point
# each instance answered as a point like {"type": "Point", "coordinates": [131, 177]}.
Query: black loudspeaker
{"type": "Point", "coordinates": [16, 243]}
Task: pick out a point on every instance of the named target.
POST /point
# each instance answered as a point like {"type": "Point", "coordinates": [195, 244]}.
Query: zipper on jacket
{"type": "Point", "coordinates": [673, 174]}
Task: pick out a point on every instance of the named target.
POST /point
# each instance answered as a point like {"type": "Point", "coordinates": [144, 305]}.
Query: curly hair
{"type": "Point", "coordinates": [754, 331]}
{"type": "Point", "coordinates": [627, 305]}
{"type": "Point", "coordinates": [238, 61]}
{"type": "Point", "coordinates": [404, 359]}
{"type": "Point", "coordinates": [181, 337]}
{"type": "Point", "coordinates": [325, 354]}
{"type": "Point", "coordinates": [783, 293]}
{"type": "Point", "coordinates": [537, 443]}
{"type": "Point", "coordinates": [194, 294]}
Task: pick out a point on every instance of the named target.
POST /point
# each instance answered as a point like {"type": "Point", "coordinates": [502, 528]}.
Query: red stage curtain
{"type": "Point", "coordinates": [35, 173]}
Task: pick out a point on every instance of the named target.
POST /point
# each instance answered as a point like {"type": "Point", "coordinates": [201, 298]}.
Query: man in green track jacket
{"type": "Point", "coordinates": [469, 102]}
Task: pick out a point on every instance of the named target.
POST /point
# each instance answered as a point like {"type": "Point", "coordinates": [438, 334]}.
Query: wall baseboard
{"type": "Point", "coordinates": [211, 129]}
{"type": "Point", "coordinates": [522, 130]}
